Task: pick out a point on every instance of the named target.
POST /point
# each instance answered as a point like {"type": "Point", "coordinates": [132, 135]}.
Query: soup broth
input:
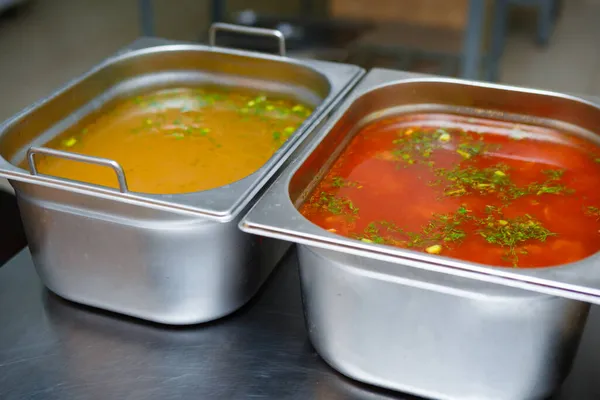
{"type": "Point", "coordinates": [180, 140]}
{"type": "Point", "coordinates": [479, 190]}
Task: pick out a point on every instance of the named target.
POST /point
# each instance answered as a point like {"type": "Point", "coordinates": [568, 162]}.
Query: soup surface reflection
{"type": "Point", "coordinates": [180, 140]}
{"type": "Point", "coordinates": [478, 190]}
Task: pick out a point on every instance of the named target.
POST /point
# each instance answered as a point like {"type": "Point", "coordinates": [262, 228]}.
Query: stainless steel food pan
{"type": "Point", "coordinates": [385, 92]}
{"type": "Point", "coordinates": [438, 336]}
{"type": "Point", "coordinates": [411, 321]}
{"type": "Point", "coordinates": [176, 259]}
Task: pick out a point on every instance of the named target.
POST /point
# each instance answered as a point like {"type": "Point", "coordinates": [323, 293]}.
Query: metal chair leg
{"type": "Point", "coordinates": [146, 17]}
{"type": "Point", "coordinates": [471, 56]}
{"type": "Point", "coordinates": [499, 25]}
{"type": "Point", "coordinates": [218, 8]}
{"type": "Point", "coordinates": [546, 19]}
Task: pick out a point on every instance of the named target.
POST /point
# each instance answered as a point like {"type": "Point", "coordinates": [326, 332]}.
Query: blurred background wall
{"type": "Point", "coordinates": [44, 43]}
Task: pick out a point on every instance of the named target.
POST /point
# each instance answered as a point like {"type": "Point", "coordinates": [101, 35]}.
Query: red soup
{"type": "Point", "coordinates": [479, 190]}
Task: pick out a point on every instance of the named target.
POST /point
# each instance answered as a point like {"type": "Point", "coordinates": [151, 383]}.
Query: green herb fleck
{"type": "Point", "coordinates": [592, 211]}
{"type": "Point", "coordinates": [469, 150]}
{"type": "Point", "coordinates": [339, 182]}
{"type": "Point", "coordinates": [553, 174]}
{"type": "Point", "coordinates": [336, 205]}
{"type": "Point", "coordinates": [510, 233]}
{"type": "Point", "coordinates": [465, 180]}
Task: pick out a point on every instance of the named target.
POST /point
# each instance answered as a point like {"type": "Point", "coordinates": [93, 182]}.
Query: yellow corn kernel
{"type": "Point", "coordinates": [463, 153]}
{"type": "Point", "coordinates": [70, 142]}
{"type": "Point", "coordinates": [435, 249]}
{"type": "Point", "coordinates": [444, 137]}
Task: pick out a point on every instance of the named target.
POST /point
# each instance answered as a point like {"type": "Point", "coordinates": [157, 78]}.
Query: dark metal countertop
{"type": "Point", "coordinates": [54, 349]}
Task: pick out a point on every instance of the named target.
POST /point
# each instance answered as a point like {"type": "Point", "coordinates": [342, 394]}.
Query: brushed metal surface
{"type": "Point", "coordinates": [434, 335]}
{"type": "Point", "coordinates": [384, 92]}
{"type": "Point", "coordinates": [51, 349]}
{"type": "Point", "coordinates": [154, 265]}
{"type": "Point", "coordinates": [173, 259]}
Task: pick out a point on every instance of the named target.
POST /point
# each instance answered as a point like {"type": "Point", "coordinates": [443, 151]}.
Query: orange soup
{"type": "Point", "coordinates": [478, 190]}
{"type": "Point", "coordinates": [180, 140]}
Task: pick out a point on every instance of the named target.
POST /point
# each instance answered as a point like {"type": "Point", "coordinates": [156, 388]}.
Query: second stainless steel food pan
{"type": "Point", "coordinates": [175, 259]}
{"type": "Point", "coordinates": [438, 336]}
{"type": "Point", "coordinates": [422, 323]}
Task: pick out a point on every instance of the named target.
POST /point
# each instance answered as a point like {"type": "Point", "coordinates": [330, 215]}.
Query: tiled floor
{"type": "Point", "coordinates": [50, 42]}
{"type": "Point", "coordinates": [571, 63]}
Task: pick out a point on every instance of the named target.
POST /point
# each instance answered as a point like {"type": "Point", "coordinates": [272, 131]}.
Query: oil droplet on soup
{"type": "Point", "coordinates": [179, 140]}
{"type": "Point", "coordinates": [479, 190]}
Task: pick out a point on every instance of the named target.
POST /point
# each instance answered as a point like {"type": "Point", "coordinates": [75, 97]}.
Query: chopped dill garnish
{"type": "Point", "coordinates": [592, 211]}
{"type": "Point", "coordinates": [339, 182]}
{"type": "Point", "coordinates": [417, 145]}
{"type": "Point", "coordinates": [466, 180]}
{"type": "Point", "coordinates": [510, 233]}
{"type": "Point", "coordinates": [441, 229]}
{"type": "Point", "coordinates": [548, 188]}
{"type": "Point", "coordinates": [444, 227]}
{"type": "Point", "coordinates": [468, 150]}
{"type": "Point", "coordinates": [446, 230]}
{"type": "Point", "coordinates": [553, 174]}
{"type": "Point", "coordinates": [336, 205]}
{"type": "Point", "coordinates": [372, 234]}
{"type": "Point", "coordinates": [496, 179]}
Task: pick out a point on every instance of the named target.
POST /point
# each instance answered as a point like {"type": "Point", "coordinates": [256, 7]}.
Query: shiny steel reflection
{"type": "Point", "coordinates": [174, 259]}
{"type": "Point", "coordinates": [115, 166]}
{"type": "Point", "coordinates": [435, 335]}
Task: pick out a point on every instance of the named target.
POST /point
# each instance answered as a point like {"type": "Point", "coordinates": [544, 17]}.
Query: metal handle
{"type": "Point", "coordinates": [105, 162]}
{"type": "Point", "coordinates": [221, 26]}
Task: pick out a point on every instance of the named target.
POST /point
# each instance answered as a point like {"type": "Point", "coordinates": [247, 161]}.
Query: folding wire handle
{"type": "Point", "coordinates": [248, 30]}
{"type": "Point", "coordinates": [104, 162]}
